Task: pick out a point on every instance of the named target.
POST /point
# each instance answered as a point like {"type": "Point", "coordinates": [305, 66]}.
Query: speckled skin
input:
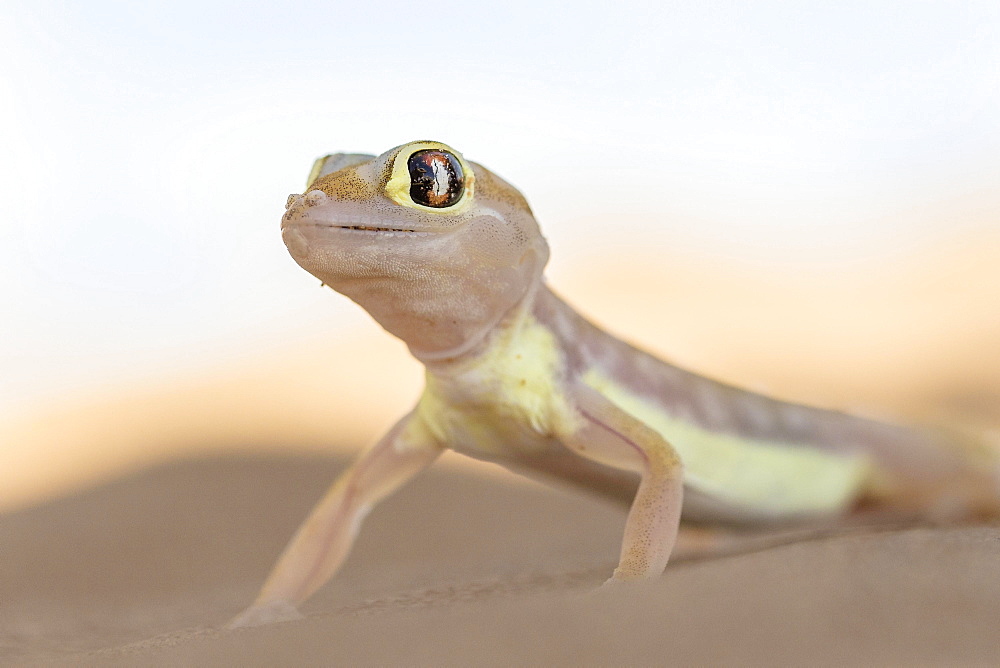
{"type": "Point", "coordinates": [516, 376]}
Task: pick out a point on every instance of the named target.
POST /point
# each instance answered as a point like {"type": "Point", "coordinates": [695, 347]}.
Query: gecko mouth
{"type": "Point", "coordinates": [369, 228]}
{"type": "Point", "coordinates": [375, 230]}
{"type": "Point", "coordinates": [314, 210]}
{"type": "Point", "coordinates": [353, 228]}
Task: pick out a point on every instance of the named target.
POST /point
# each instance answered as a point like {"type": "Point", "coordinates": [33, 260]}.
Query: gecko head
{"type": "Point", "coordinates": [437, 249]}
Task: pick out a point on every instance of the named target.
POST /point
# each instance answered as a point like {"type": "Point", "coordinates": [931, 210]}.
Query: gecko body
{"type": "Point", "coordinates": [448, 257]}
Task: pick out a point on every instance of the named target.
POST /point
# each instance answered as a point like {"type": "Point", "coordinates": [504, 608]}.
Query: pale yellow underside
{"type": "Point", "coordinates": [512, 383]}
{"type": "Point", "coordinates": [763, 477]}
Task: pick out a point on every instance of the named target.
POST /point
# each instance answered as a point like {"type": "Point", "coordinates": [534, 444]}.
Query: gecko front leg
{"type": "Point", "coordinates": [323, 541]}
{"type": "Point", "coordinates": [609, 435]}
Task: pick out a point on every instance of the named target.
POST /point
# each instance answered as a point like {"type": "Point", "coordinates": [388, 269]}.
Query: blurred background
{"type": "Point", "coordinates": [795, 197]}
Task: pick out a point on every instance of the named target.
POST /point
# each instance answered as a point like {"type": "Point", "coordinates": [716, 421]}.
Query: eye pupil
{"type": "Point", "coordinates": [436, 178]}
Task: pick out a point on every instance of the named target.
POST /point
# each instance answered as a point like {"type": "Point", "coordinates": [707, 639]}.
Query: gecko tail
{"type": "Point", "coordinates": [989, 450]}
{"type": "Point", "coordinates": [991, 439]}
{"type": "Point", "coordinates": [971, 491]}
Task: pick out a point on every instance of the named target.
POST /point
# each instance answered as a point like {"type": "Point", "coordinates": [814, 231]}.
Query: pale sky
{"type": "Point", "coordinates": [148, 148]}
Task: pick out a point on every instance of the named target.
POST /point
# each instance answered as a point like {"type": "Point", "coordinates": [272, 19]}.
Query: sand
{"type": "Point", "coordinates": [465, 569]}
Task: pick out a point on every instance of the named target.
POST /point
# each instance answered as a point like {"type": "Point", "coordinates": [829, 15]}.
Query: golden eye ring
{"type": "Point", "coordinates": [431, 177]}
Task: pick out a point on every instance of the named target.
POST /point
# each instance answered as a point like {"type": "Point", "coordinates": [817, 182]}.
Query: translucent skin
{"type": "Point", "coordinates": [516, 376]}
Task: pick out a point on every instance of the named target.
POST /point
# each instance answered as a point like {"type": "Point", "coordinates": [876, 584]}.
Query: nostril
{"type": "Point", "coordinates": [314, 197]}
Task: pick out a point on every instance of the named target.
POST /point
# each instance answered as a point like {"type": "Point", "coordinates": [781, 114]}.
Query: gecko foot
{"type": "Point", "coordinates": [617, 581]}
{"type": "Point", "coordinates": [266, 613]}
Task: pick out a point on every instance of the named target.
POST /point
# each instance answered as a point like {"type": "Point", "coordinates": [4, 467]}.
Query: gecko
{"type": "Point", "coordinates": [448, 257]}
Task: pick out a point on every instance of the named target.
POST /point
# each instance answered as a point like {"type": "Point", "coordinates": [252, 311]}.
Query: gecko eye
{"type": "Point", "coordinates": [436, 178]}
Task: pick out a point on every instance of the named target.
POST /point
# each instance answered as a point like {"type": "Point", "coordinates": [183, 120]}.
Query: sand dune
{"type": "Point", "coordinates": [458, 569]}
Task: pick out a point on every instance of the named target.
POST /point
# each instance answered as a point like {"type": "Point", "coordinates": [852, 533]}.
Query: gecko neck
{"type": "Point", "coordinates": [444, 361]}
